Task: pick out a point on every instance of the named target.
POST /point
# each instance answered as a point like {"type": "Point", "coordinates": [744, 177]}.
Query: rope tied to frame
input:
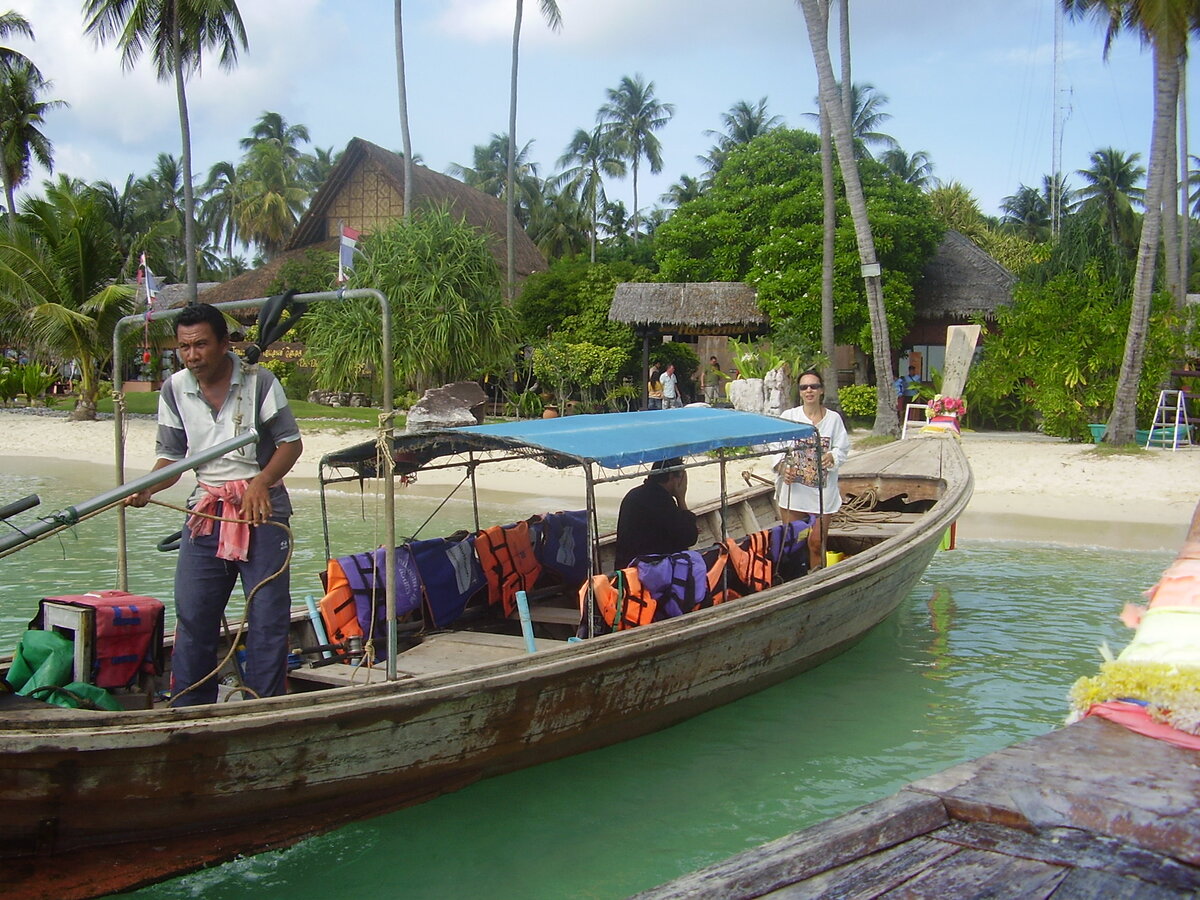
{"type": "Point", "coordinates": [241, 628]}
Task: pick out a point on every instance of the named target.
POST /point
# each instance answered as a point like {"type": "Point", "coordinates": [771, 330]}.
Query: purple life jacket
{"type": "Point", "coordinates": [450, 571]}
{"type": "Point", "coordinates": [364, 574]}
{"type": "Point", "coordinates": [561, 545]}
{"type": "Point", "coordinates": [678, 581]}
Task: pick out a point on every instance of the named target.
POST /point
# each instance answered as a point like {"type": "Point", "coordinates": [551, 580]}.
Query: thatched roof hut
{"type": "Point", "coordinates": [715, 307]}
{"type": "Point", "coordinates": [365, 191]}
{"type": "Point", "coordinates": [961, 281]}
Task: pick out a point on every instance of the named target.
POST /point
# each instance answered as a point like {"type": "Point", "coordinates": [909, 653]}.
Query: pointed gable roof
{"type": "Point", "coordinates": [960, 280]}
{"type": "Point", "coordinates": [365, 190]}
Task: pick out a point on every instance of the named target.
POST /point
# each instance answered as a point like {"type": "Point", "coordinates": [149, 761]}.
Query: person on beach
{"type": "Point", "coordinates": [797, 486]}
{"type": "Point", "coordinates": [670, 389]}
{"type": "Point", "coordinates": [907, 387]}
{"type": "Point", "coordinates": [213, 399]}
{"type": "Point", "coordinates": [712, 379]}
{"type": "Point", "coordinates": [654, 389]}
{"type": "Point", "coordinates": [654, 517]}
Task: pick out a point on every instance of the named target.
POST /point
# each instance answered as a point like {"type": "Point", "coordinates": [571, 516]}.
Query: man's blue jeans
{"type": "Point", "coordinates": [203, 584]}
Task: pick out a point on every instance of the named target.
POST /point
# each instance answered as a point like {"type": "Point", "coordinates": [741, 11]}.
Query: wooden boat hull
{"type": "Point", "coordinates": [91, 803]}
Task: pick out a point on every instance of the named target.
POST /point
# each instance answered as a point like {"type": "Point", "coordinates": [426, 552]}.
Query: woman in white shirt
{"type": "Point", "coordinates": [796, 482]}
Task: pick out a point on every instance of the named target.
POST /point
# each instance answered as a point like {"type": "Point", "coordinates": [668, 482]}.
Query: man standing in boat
{"type": "Point", "coordinates": [654, 517]}
{"type": "Point", "coordinates": [215, 398]}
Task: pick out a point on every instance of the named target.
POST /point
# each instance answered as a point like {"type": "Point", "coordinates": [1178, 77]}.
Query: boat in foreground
{"type": "Point", "coordinates": [94, 802]}
{"type": "Point", "coordinates": [1090, 810]}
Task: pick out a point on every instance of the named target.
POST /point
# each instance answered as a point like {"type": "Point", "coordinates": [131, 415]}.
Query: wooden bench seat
{"type": "Point", "coordinates": [443, 652]}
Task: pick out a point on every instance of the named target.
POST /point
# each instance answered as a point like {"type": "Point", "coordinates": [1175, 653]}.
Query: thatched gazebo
{"type": "Point", "coordinates": [960, 282]}
{"type": "Point", "coordinates": [719, 308]}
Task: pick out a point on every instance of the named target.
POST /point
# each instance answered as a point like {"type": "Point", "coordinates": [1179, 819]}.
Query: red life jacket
{"type": "Point", "coordinates": [129, 636]}
{"type": "Point", "coordinates": [338, 609]}
{"type": "Point", "coordinates": [751, 560]}
{"type": "Point", "coordinates": [622, 601]}
{"type": "Point", "coordinates": [509, 562]}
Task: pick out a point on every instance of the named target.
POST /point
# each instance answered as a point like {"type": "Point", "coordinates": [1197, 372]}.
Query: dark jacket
{"type": "Point", "coordinates": [651, 522]}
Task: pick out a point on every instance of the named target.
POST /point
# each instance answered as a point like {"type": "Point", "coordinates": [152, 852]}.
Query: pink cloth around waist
{"type": "Point", "coordinates": [234, 538]}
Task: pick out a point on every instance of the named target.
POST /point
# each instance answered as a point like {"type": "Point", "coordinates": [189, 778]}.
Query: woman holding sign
{"type": "Point", "coordinates": [798, 480]}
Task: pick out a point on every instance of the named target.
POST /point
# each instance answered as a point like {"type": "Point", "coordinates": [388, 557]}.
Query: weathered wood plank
{"type": "Point", "coordinates": [978, 873]}
{"type": "Point", "coordinates": [1092, 775]}
{"type": "Point", "coordinates": [1088, 884]}
{"type": "Point", "coordinates": [1072, 847]}
{"type": "Point", "coordinates": [792, 858]}
{"type": "Point", "coordinates": [872, 875]}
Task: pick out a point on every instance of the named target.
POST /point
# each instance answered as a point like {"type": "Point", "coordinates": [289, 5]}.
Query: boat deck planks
{"type": "Point", "coordinates": [436, 653]}
{"type": "Point", "coordinates": [1090, 810]}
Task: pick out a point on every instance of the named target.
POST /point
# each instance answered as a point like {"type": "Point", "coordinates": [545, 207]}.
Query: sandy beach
{"type": "Point", "coordinates": [1027, 486]}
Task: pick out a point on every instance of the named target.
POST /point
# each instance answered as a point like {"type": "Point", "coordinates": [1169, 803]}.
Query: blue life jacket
{"type": "Point", "coordinates": [561, 545]}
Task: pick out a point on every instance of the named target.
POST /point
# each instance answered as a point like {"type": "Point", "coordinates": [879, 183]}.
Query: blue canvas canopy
{"type": "Point", "coordinates": [611, 440]}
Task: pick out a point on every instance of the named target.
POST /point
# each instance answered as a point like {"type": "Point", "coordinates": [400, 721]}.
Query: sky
{"type": "Point", "coordinates": [970, 82]}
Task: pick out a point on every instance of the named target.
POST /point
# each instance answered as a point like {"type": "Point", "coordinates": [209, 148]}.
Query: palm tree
{"type": "Point", "coordinates": [956, 207]}
{"type": "Point", "coordinates": [270, 197]}
{"type": "Point", "coordinates": [1111, 188]}
{"type": "Point", "coordinates": [402, 91]}
{"type": "Point", "coordinates": [273, 127]}
{"type": "Point", "coordinates": [219, 211]}
{"type": "Point", "coordinates": [553, 17]}
{"type": "Point", "coordinates": [15, 23]}
{"type": "Point", "coordinates": [21, 138]}
{"type": "Point", "coordinates": [177, 32]}
{"type": "Point", "coordinates": [58, 278]}
{"type": "Point", "coordinates": [316, 166]}
{"type": "Point", "coordinates": [630, 118]}
{"type": "Point", "coordinates": [162, 200]}
{"type": "Point", "coordinates": [685, 190]}
{"type": "Point", "coordinates": [1194, 178]}
{"type": "Point", "coordinates": [1165, 25]}
{"type": "Point", "coordinates": [741, 124]}
{"type": "Point", "coordinates": [561, 225]}
{"type": "Point", "coordinates": [1027, 212]}
{"type": "Point", "coordinates": [885, 407]}
{"type": "Point", "coordinates": [916, 169]}
{"type": "Point", "coordinates": [590, 156]}
{"type": "Point", "coordinates": [138, 222]}
{"type": "Point", "coordinates": [490, 174]}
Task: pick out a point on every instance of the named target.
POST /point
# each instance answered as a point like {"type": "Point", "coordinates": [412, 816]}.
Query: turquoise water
{"type": "Point", "coordinates": [979, 656]}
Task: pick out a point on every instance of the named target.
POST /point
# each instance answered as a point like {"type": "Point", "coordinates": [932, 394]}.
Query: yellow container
{"type": "Point", "coordinates": [832, 556]}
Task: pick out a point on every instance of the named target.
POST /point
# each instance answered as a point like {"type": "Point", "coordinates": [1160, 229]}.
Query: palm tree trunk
{"type": "Point", "coordinates": [189, 199]}
{"type": "Point", "coordinates": [405, 139]}
{"type": "Point", "coordinates": [1170, 212]}
{"type": "Point", "coordinates": [1185, 246]}
{"type": "Point", "coordinates": [636, 226]}
{"type": "Point", "coordinates": [1123, 422]}
{"type": "Point", "coordinates": [828, 348]}
{"type": "Point", "coordinates": [844, 49]}
{"type": "Point", "coordinates": [885, 406]}
{"type": "Point", "coordinates": [11, 199]}
{"type": "Point", "coordinates": [510, 200]}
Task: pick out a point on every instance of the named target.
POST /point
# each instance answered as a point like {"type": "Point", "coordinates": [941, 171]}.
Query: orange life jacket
{"type": "Point", "coordinates": [509, 562]}
{"type": "Point", "coordinates": [621, 599]}
{"type": "Point", "coordinates": [337, 607]}
{"type": "Point", "coordinates": [752, 562]}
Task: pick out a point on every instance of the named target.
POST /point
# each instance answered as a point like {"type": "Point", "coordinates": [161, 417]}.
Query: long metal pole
{"type": "Point", "coordinates": [71, 514]}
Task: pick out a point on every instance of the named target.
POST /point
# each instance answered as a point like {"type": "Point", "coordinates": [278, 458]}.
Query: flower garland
{"type": "Point", "coordinates": [947, 406]}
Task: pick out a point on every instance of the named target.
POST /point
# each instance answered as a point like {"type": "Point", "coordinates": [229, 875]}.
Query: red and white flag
{"type": "Point", "coordinates": [346, 250]}
{"type": "Point", "coordinates": [152, 284]}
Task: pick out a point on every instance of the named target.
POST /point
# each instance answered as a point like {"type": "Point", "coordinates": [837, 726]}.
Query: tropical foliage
{"type": "Point", "coordinates": [56, 283]}
{"type": "Point", "coordinates": [761, 223]}
{"type": "Point", "coordinates": [1056, 353]}
{"type": "Point", "coordinates": [444, 288]}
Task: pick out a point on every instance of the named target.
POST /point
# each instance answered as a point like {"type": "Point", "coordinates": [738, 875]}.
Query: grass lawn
{"type": "Point", "coordinates": [350, 417]}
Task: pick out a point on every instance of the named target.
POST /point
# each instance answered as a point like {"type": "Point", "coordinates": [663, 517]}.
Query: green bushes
{"type": "Point", "coordinates": [858, 400]}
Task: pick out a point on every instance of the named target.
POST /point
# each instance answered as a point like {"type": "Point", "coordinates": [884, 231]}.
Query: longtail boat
{"type": "Point", "coordinates": [93, 802]}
